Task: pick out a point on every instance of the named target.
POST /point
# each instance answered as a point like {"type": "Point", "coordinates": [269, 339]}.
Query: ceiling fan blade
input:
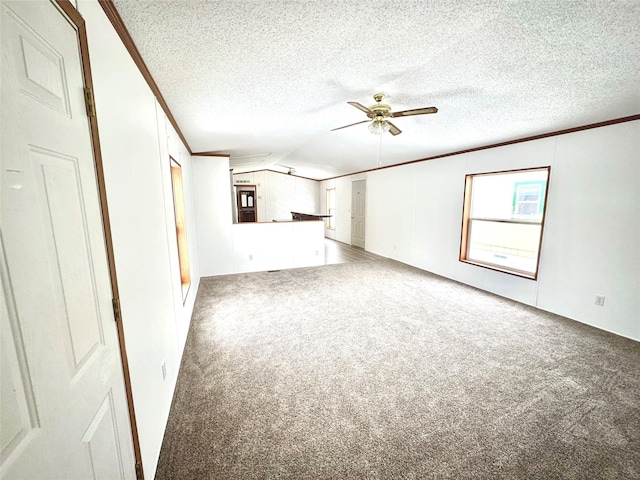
{"type": "Point", "coordinates": [393, 130]}
{"type": "Point", "coordinates": [350, 125]}
{"type": "Point", "coordinates": [360, 107]}
{"type": "Point", "coordinates": [417, 111]}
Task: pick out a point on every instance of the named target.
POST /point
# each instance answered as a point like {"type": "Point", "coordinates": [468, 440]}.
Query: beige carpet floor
{"type": "Point", "coordinates": [378, 370]}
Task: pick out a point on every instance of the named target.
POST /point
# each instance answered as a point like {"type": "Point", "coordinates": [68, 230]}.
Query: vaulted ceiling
{"type": "Point", "coordinates": [265, 81]}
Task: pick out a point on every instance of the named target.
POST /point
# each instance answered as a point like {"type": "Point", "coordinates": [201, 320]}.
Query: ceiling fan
{"type": "Point", "coordinates": [380, 113]}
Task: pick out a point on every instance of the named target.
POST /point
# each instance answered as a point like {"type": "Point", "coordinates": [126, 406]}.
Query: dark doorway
{"type": "Point", "coordinates": [246, 202]}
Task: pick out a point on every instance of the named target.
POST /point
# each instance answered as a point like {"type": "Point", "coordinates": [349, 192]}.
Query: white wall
{"type": "Point", "coordinates": [212, 197]}
{"type": "Point", "coordinates": [226, 248]}
{"type": "Point", "coordinates": [279, 194]}
{"type": "Point", "coordinates": [170, 146]}
{"type": "Point", "coordinates": [136, 142]}
{"type": "Point", "coordinates": [277, 245]}
{"type": "Point", "coordinates": [592, 234]}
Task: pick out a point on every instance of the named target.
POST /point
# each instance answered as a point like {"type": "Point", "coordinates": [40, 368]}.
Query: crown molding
{"type": "Point", "coordinates": [606, 123]}
{"type": "Point", "coordinates": [116, 20]}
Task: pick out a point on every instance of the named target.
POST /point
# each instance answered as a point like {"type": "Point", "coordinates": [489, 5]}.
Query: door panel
{"type": "Point", "coordinates": [64, 411]}
{"type": "Point", "coordinates": [358, 196]}
{"type": "Point", "coordinates": [41, 73]}
{"type": "Point", "coordinates": [17, 403]}
{"type": "Point", "coordinates": [101, 441]}
{"type": "Point", "coordinates": [62, 208]}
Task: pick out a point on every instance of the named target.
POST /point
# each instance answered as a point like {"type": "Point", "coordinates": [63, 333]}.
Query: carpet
{"type": "Point", "coordinates": [381, 370]}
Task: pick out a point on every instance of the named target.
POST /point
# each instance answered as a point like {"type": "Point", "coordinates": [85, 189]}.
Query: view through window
{"type": "Point", "coordinates": [181, 227]}
{"type": "Point", "coordinates": [503, 219]}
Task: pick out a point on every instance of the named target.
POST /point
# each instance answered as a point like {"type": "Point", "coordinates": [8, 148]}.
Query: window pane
{"type": "Point", "coordinates": [528, 193]}
{"type": "Point", "coordinates": [512, 245]}
{"type": "Point", "coordinates": [181, 226]}
{"type": "Point", "coordinates": [506, 196]}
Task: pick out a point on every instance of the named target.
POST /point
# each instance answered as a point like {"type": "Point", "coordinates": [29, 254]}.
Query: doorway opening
{"type": "Point", "coordinates": [358, 192]}
{"type": "Point", "coordinates": [246, 203]}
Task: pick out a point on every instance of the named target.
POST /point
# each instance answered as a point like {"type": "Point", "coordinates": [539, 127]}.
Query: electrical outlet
{"type": "Point", "coordinates": [164, 370]}
{"type": "Point", "coordinates": [599, 300]}
{"type": "Point", "coordinates": [250, 257]}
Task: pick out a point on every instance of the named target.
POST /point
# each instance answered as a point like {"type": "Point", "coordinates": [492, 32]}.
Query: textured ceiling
{"type": "Point", "coordinates": [272, 78]}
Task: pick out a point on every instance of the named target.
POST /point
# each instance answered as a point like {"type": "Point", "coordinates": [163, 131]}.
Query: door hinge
{"type": "Point", "coordinates": [139, 475]}
{"type": "Point", "coordinates": [89, 102]}
{"type": "Point", "coordinates": [116, 309]}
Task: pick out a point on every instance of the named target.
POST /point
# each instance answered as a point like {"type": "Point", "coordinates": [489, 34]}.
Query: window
{"type": "Point", "coordinates": [331, 208]}
{"type": "Point", "coordinates": [181, 227]}
{"type": "Point", "coordinates": [503, 219]}
{"type": "Point", "coordinates": [528, 198]}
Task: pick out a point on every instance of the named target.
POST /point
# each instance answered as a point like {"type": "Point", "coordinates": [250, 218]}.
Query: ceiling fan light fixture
{"type": "Point", "coordinates": [378, 127]}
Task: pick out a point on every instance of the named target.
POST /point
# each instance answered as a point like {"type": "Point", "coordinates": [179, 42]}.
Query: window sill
{"type": "Point", "coordinates": [499, 268]}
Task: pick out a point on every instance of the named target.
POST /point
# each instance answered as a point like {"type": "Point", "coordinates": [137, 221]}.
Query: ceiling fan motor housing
{"type": "Point", "coordinates": [379, 111]}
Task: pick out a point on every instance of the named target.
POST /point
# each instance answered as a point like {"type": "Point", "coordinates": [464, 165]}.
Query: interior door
{"type": "Point", "coordinates": [247, 204]}
{"type": "Point", "coordinates": [358, 192]}
{"type": "Point", "coordinates": [64, 412]}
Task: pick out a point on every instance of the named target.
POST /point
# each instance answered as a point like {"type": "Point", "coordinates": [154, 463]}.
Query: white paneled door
{"type": "Point", "coordinates": [358, 195]}
{"type": "Point", "coordinates": [63, 405]}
